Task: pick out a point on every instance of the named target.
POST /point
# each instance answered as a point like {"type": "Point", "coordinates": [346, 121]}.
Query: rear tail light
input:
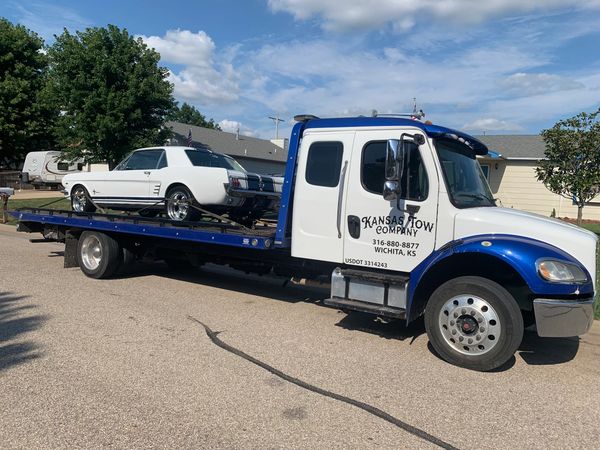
{"type": "Point", "coordinates": [235, 183]}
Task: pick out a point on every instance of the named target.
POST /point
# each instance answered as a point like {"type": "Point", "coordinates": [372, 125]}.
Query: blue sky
{"type": "Point", "coordinates": [494, 66]}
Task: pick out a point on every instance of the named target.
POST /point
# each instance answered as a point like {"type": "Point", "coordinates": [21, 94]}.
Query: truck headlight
{"type": "Point", "coordinates": [559, 271]}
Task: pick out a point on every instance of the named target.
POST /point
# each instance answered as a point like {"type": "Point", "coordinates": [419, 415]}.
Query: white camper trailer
{"type": "Point", "coordinates": [46, 169]}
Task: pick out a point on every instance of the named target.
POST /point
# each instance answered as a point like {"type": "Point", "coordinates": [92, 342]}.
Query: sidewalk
{"type": "Point", "coordinates": [31, 194]}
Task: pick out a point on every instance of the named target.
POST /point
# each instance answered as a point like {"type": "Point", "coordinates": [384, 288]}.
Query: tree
{"type": "Point", "coordinates": [112, 94]}
{"type": "Point", "coordinates": [189, 115]}
{"type": "Point", "coordinates": [25, 119]}
{"type": "Point", "coordinates": [572, 165]}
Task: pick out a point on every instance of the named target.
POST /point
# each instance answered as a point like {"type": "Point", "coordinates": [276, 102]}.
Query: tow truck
{"type": "Point", "coordinates": [396, 214]}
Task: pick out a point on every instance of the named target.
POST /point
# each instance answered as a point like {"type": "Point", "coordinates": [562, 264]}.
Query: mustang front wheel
{"type": "Point", "coordinates": [80, 200]}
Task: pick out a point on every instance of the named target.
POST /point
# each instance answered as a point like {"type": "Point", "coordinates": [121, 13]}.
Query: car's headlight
{"type": "Point", "coordinates": [560, 272]}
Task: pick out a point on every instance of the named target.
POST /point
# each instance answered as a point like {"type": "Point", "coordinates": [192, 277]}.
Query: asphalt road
{"type": "Point", "coordinates": [120, 363]}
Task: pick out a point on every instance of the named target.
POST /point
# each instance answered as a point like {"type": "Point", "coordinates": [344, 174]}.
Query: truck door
{"type": "Point", "coordinates": [319, 195]}
{"type": "Point", "coordinates": [382, 234]}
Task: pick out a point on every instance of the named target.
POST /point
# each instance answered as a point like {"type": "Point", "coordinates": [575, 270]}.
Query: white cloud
{"type": "Point", "coordinates": [403, 14]}
{"type": "Point", "coordinates": [232, 126]}
{"type": "Point", "coordinates": [491, 124]}
{"type": "Point", "coordinates": [202, 80]}
{"type": "Point", "coordinates": [538, 83]}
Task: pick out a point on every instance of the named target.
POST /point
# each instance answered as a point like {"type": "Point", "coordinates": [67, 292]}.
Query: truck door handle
{"type": "Point", "coordinates": [354, 226]}
{"type": "Point", "coordinates": [340, 198]}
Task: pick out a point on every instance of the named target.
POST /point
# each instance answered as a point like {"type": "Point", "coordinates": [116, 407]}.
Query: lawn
{"type": "Point", "coordinates": [62, 203]}
{"type": "Point", "coordinates": [595, 227]}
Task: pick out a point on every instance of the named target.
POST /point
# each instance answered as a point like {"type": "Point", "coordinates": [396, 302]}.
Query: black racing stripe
{"type": "Point", "coordinates": [253, 182]}
{"type": "Point", "coordinates": [268, 185]}
{"type": "Point", "coordinates": [303, 384]}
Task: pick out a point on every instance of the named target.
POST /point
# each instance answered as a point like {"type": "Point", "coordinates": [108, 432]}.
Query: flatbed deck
{"type": "Point", "coordinates": [203, 231]}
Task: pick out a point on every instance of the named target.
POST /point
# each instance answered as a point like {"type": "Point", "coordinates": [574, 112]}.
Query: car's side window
{"type": "Point", "coordinates": [199, 158]}
{"type": "Point", "coordinates": [144, 160]}
{"type": "Point", "coordinates": [162, 162]}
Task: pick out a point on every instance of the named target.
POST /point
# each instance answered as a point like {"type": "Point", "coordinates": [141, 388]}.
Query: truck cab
{"type": "Point", "coordinates": [404, 209]}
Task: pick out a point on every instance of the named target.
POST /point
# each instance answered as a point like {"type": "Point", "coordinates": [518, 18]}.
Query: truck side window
{"type": "Point", "coordinates": [324, 163]}
{"type": "Point", "coordinates": [414, 178]}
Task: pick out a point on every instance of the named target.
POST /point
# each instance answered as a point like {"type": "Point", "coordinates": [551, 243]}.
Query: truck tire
{"type": "Point", "coordinates": [98, 255]}
{"type": "Point", "coordinates": [80, 200]}
{"type": "Point", "coordinates": [178, 204]}
{"type": "Point", "coordinates": [473, 322]}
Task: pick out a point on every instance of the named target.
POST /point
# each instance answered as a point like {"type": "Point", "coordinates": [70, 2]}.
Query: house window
{"type": "Point", "coordinates": [485, 168]}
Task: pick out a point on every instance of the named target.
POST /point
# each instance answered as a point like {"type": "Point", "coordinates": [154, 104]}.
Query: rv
{"type": "Point", "coordinates": [46, 169]}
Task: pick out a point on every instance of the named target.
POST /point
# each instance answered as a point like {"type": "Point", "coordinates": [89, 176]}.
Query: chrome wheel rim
{"type": "Point", "coordinates": [78, 200]}
{"type": "Point", "coordinates": [469, 324]}
{"type": "Point", "coordinates": [91, 252]}
{"type": "Point", "coordinates": [178, 205]}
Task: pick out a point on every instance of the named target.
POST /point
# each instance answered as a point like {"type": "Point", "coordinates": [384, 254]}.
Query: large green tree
{"type": "Point", "coordinates": [189, 115]}
{"type": "Point", "coordinates": [25, 119]}
{"type": "Point", "coordinates": [572, 165]}
{"type": "Point", "coordinates": [112, 94]}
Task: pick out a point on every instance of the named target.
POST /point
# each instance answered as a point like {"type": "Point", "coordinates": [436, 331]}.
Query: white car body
{"type": "Point", "coordinates": [144, 178]}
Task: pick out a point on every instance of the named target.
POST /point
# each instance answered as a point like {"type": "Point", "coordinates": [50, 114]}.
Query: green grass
{"type": "Point", "coordinates": [595, 227]}
{"type": "Point", "coordinates": [63, 203]}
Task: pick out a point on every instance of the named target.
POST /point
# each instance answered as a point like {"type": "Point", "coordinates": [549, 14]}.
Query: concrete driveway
{"type": "Point", "coordinates": [125, 363]}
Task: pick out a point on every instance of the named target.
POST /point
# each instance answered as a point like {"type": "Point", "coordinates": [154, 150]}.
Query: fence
{"type": "Point", "coordinates": [10, 179]}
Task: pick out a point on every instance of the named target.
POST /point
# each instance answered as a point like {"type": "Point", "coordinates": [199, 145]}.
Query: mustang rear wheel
{"type": "Point", "coordinates": [179, 203]}
{"type": "Point", "coordinates": [474, 323]}
{"type": "Point", "coordinates": [80, 200]}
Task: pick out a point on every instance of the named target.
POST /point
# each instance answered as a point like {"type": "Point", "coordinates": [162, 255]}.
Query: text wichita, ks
{"type": "Point", "coordinates": [396, 225]}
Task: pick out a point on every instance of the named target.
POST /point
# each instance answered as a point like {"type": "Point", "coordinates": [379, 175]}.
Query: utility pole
{"type": "Point", "coordinates": [276, 119]}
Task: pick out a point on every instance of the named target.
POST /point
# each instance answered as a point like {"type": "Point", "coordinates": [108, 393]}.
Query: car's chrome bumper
{"type": "Point", "coordinates": [562, 318]}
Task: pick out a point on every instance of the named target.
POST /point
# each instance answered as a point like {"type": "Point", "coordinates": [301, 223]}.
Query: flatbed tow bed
{"type": "Point", "coordinates": [205, 231]}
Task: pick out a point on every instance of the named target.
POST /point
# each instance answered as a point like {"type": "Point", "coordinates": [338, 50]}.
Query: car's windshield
{"type": "Point", "coordinates": [208, 159]}
{"type": "Point", "coordinates": [465, 181]}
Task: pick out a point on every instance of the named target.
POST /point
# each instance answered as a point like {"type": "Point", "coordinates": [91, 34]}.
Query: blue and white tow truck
{"type": "Point", "coordinates": [398, 215]}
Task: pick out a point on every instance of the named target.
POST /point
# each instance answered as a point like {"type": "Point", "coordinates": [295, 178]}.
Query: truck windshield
{"type": "Point", "coordinates": [465, 181]}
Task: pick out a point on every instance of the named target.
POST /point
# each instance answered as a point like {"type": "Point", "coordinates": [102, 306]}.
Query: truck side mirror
{"type": "Point", "coordinates": [391, 189]}
{"type": "Point", "coordinates": [394, 165]}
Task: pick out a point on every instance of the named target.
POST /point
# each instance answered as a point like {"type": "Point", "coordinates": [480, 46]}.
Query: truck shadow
{"type": "Point", "coordinates": [276, 288]}
{"type": "Point", "coordinates": [393, 329]}
{"type": "Point", "coordinates": [535, 350]}
{"type": "Point", "coordinates": [16, 320]}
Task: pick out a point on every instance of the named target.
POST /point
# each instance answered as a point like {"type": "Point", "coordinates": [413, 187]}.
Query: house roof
{"type": "Point", "coordinates": [511, 146]}
{"type": "Point", "coordinates": [227, 143]}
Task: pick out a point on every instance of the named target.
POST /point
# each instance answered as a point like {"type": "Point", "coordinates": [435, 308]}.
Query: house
{"type": "Point", "coordinates": [512, 178]}
{"type": "Point", "coordinates": [256, 155]}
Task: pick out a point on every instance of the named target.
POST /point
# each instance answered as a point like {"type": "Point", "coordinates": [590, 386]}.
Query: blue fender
{"type": "Point", "coordinates": [519, 252]}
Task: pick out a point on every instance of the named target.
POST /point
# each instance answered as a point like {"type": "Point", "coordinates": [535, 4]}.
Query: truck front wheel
{"type": "Point", "coordinates": [474, 323]}
{"type": "Point", "coordinates": [98, 254]}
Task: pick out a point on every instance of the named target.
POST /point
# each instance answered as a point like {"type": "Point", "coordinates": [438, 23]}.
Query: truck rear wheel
{"type": "Point", "coordinates": [474, 323]}
{"type": "Point", "coordinates": [98, 254]}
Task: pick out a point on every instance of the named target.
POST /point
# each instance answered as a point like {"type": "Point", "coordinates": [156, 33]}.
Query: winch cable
{"type": "Point", "coordinates": [213, 336]}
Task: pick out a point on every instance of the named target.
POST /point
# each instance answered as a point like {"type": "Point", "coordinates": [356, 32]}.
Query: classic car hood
{"type": "Point", "coordinates": [579, 243]}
